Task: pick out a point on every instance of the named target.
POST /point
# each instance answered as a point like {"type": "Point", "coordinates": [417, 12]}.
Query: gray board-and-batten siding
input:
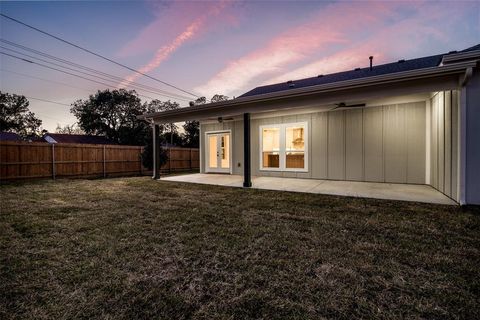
{"type": "Point", "coordinates": [380, 144]}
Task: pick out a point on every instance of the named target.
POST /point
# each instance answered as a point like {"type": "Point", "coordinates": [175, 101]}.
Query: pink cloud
{"type": "Point", "coordinates": [324, 30]}
{"type": "Point", "coordinates": [165, 51]}
{"type": "Point", "coordinates": [385, 45]}
{"type": "Point", "coordinates": [343, 35]}
{"type": "Point", "coordinates": [195, 27]}
{"type": "Point", "coordinates": [170, 19]}
{"type": "Point", "coordinates": [341, 61]}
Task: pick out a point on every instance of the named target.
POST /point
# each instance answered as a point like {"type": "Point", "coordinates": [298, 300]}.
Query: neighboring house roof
{"type": "Point", "coordinates": [76, 138]}
{"type": "Point", "coordinates": [401, 65]}
{"type": "Point", "coordinates": [9, 136]}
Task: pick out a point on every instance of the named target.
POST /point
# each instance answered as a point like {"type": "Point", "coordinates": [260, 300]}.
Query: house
{"type": "Point", "coordinates": [9, 136]}
{"type": "Point", "coordinates": [408, 122]}
{"type": "Point", "coordinates": [76, 138]}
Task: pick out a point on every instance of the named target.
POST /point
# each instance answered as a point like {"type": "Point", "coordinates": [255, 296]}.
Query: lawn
{"type": "Point", "coordinates": [133, 248]}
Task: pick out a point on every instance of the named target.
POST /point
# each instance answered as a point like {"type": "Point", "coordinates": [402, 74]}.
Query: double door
{"type": "Point", "coordinates": [218, 152]}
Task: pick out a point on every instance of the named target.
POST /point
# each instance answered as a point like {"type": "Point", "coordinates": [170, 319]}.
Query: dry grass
{"type": "Point", "coordinates": [133, 248]}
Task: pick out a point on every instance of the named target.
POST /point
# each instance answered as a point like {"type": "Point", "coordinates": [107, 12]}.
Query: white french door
{"type": "Point", "coordinates": [218, 152]}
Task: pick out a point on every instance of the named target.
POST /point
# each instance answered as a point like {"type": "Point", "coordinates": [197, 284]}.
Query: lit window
{"type": "Point", "coordinates": [295, 147]}
{"type": "Point", "coordinates": [283, 147]}
{"type": "Point", "coordinates": [271, 147]}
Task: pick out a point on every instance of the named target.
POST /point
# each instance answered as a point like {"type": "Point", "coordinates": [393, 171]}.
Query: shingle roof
{"type": "Point", "coordinates": [476, 47]}
{"type": "Point", "coordinates": [401, 65]}
{"type": "Point", "coordinates": [9, 136]}
{"type": "Point", "coordinates": [78, 138]}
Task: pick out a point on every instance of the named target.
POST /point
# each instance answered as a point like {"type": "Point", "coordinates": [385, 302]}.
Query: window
{"type": "Point", "coordinates": [295, 147]}
{"type": "Point", "coordinates": [283, 147]}
{"type": "Point", "coordinates": [271, 148]}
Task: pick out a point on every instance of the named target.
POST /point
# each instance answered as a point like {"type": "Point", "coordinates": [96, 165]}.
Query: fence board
{"type": "Point", "coordinates": [26, 160]}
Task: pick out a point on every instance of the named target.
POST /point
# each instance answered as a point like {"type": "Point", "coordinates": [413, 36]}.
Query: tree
{"type": "Point", "coordinates": [113, 114]}
{"type": "Point", "coordinates": [16, 117]}
{"type": "Point", "coordinates": [69, 129]}
{"type": "Point", "coordinates": [200, 101]}
{"type": "Point", "coordinates": [218, 98]}
{"type": "Point", "coordinates": [191, 137]}
{"type": "Point", "coordinates": [168, 131]}
{"type": "Point", "coordinates": [147, 154]}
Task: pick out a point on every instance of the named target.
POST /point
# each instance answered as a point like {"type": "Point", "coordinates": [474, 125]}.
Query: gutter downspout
{"type": "Point", "coordinates": [466, 77]}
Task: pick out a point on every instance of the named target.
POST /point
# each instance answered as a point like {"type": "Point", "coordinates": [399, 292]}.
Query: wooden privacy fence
{"type": "Point", "coordinates": [25, 160]}
{"type": "Point", "coordinates": [181, 159]}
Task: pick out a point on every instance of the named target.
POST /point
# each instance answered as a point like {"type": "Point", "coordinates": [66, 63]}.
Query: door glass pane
{"type": "Point", "coordinates": [271, 147]}
{"type": "Point", "coordinates": [225, 151]}
{"type": "Point", "coordinates": [295, 147]}
{"type": "Point", "coordinates": [212, 151]}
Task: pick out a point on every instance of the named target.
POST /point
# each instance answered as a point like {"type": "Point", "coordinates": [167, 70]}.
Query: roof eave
{"type": "Point", "coordinates": [453, 68]}
{"type": "Point", "coordinates": [460, 56]}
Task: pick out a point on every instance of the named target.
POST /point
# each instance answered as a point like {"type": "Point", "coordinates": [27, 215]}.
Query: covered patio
{"type": "Point", "coordinates": [391, 191]}
{"type": "Point", "coordinates": [394, 131]}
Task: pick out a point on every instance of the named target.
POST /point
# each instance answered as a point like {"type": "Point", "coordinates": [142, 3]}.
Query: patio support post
{"type": "Point", "coordinates": [247, 172]}
{"type": "Point", "coordinates": [156, 151]}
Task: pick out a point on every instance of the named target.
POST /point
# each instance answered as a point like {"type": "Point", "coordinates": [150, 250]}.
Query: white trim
{"type": "Point", "coordinates": [459, 145]}
{"type": "Point", "coordinates": [207, 148]}
{"type": "Point", "coordinates": [463, 145]}
{"type": "Point", "coordinates": [282, 152]}
{"type": "Point", "coordinates": [201, 148]}
{"type": "Point", "coordinates": [428, 137]}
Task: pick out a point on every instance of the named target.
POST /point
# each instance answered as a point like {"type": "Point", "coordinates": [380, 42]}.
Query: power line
{"type": "Point", "coordinates": [70, 63]}
{"type": "Point", "coordinates": [88, 74]}
{"type": "Point", "coordinates": [44, 79]}
{"type": "Point", "coordinates": [66, 72]}
{"type": "Point", "coordinates": [96, 54]}
{"type": "Point", "coordinates": [58, 82]}
{"type": "Point", "coordinates": [45, 116]}
{"type": "Point", "coordinates": [49, 101]}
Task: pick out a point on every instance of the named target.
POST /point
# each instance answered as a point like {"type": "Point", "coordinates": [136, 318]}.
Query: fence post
{"type": "Point", "coordinates": [104, 164]}
{"type": "Point", "coordinates": [53, 161]}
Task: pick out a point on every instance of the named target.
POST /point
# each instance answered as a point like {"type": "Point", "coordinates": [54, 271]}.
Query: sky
{"type": "Point", "coordinates": [213, 47]}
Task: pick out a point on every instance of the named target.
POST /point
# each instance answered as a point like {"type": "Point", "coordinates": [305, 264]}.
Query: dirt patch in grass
{"type": "Point", "coordinates": [134, 248]}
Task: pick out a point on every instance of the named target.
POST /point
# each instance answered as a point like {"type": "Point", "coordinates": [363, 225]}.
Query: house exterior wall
{"type": "Point", "coordinates": [444, 142]}
{"type": "Point", "coordinates": [471, 134]}
{"type": "Point", "coordinates": [382, 144]}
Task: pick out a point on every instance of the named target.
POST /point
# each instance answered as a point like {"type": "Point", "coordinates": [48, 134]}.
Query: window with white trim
{"type": "Point", "coordinates": [283, 147]}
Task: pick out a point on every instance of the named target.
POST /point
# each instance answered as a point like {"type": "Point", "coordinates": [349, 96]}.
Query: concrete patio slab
{"type": "Point", "coordinates": [391, 191]}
